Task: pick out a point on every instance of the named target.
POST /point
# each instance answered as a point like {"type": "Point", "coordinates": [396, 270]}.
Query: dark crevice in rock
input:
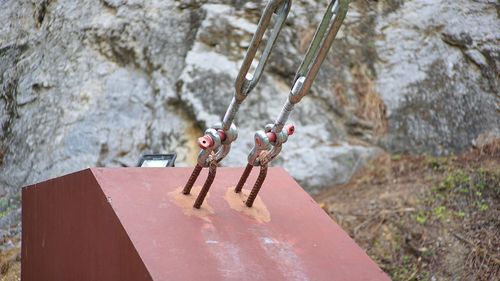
{"type": "Point", "coordinates": [111, 5]}
{"type": "Point", "coordinates": [387, 6]}
{"type": "Point", "coordinates": [484, 60]}
{"type": "Point", "coordinates": [363, 51]}
{"type": "Point", "coordinates": [462, 41]}
{"type": "Point", "coordinates": [41, 11]}
{"type": "Point", "coordinates": [38, 87]}
{"type": "Point", "coordinates": [150, 66]}
{"type": "Point", "coordinates": [9, 77]}
{"type": "Point", "coordinates": [103, 153]}
{"type": "Point", "coordinates": [190, 4]}
{"type": "Point", "coordinates": [112, 45]}
{"type": "Point", "coordinates": [148, 137]}
{"type": "Point", "coordinates": [196, 18]}
{"type": "Point", "coordinates": [488, 68]}
{"type": "Point", "coordinates": [185, 107]}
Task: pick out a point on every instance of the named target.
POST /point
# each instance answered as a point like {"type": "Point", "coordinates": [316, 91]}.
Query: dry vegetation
{"type": "Point", "coordinates": [371, 107]}
{"type": "Point", "coordinates": [10, 261]}
{"type": "Point", "coordinates": [425, 218]}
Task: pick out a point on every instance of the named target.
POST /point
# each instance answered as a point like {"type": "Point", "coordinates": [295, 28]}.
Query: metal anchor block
{"type": "Point", "coordinates": [268, 143]}
{"type": "Point", "coordinates": [216, 143]}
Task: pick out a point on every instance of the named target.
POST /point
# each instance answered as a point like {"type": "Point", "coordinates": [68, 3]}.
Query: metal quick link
{"type": "Point", "coordinates": [319, 47]}
{"type": "Point", "coordinates": [268, 143]}
{"type": "Point", "coordinates": [315, 55]}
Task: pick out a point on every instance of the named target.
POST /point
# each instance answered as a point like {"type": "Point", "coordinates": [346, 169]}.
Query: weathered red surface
{"type": "Point", "coordinates": [70, 232]}
{"type": "Point", "coordinates": [124, 224]}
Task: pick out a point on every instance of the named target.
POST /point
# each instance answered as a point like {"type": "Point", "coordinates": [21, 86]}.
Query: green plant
{"type": "Point", "coordinates": [439, 212]}
{"type": "Point", "coordinates": [460, 214]}
{"type": "Point", "coordinates": [455, 180]}
{"type": "Point", "coordinates": [482, 206]}
{"type": "Point", "coordinates": [396, 157]}
{"type": "Point", "coordinates": [421, 217]}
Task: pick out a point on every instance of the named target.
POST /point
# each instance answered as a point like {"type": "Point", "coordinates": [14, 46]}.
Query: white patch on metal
{"type": "Point", "coordinates": [283, 254]}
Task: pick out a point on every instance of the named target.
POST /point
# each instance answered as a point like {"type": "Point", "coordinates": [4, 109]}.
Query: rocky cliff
{"type": "Point", "coordinates": [98, 83]}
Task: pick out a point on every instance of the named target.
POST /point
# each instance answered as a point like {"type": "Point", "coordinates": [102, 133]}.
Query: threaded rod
{"type": "Point", "coordinates": [204, 190]}
{"type": "Point", "coordinates": [243, 178]}
{"type": "Point", "coordinates": [258, 184]}
{"type": "Point", "coordinates": [192, 179]}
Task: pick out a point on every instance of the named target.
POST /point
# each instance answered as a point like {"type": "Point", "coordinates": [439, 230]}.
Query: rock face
{"type": "Point", "coordinates": [98, 83]}
{"type": "Point", "coordinates": [439, 78]}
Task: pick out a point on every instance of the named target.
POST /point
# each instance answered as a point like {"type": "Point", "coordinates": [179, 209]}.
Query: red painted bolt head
{"type": "Point", "coordinates": [290, 129]}
{"type": "Point", "coordinates": [205, 142]}
{"type": "Point", "coordinates": [271, 136]}
{"type": "Point", "coordinates": [222, 135]}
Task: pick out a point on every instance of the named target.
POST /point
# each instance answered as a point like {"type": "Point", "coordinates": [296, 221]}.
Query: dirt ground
{"type": "Point", "coordinates": [418, 217]}
{"type": "Point", "coordinates": [425, 218]}
{"type": "Point", "coordinates": [10, 261]}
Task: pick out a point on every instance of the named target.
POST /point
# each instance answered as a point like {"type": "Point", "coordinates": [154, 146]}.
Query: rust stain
{"type": "Point", "coordinates": [185, 202]}
{"type": "Point", "coordinates": [236, 201]}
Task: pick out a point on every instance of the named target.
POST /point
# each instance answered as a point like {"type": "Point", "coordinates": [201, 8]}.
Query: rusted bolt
{"type": "Point", "coordinates": [206, 186]}
{"type": "Point", "coordinates": [260, 180]}
{"type": "Point", "coordinates": [192, 179]}
{"type": "Point", "coordinates": [243, 178]}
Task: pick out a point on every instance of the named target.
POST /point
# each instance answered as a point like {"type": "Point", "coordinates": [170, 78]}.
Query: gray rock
{"type": "Point", "coordinates": [98, 83]}
{"type": "Point", "coordinates": [439, 74]}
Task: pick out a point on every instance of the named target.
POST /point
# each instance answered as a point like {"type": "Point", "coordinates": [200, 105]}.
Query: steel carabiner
{"type": "Point", "coordinates": [272, 138]}
{"type": "Point", "coordinates": [217, 140]}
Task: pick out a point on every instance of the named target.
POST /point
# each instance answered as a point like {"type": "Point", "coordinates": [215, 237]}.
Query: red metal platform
{"type": "Point", "coordinates": [133, 224]}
